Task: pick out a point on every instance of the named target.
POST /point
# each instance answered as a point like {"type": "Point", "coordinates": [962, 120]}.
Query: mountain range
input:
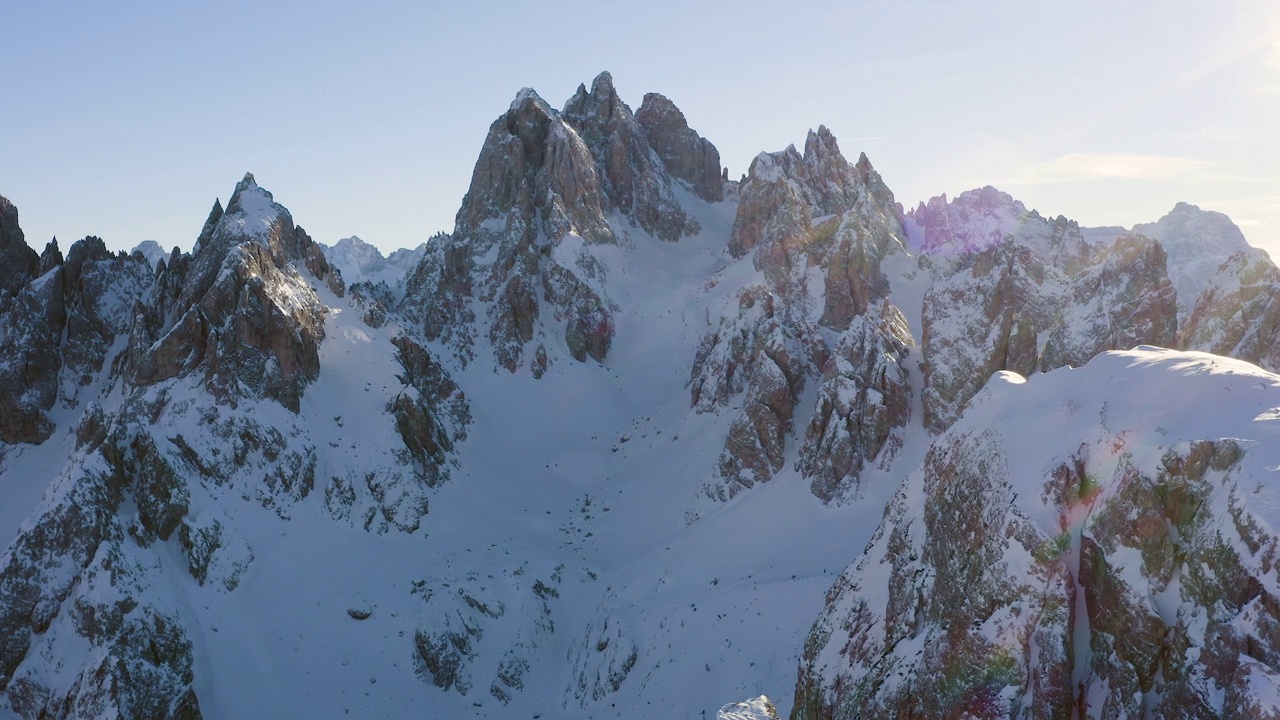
{"type": "Point", "coordinates": [637, 440]}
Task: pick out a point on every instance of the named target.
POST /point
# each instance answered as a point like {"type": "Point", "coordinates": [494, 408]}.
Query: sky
{"type": "Point", "coordinates": [127, 119]}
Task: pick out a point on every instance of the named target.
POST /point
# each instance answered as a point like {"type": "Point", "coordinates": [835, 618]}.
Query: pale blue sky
{"type": "Point", "coordinates": [126, 119]}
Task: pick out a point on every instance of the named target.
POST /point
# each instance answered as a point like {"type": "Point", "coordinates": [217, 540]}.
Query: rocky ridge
{"type": "Point", "coordinates": [200, 371]}
{"type": "Point", "coordinates": [1119, 565]}
{"type": "Point", "coordinates": [550, 187]}
{"type": "Point", "coordinates": [816, 228]}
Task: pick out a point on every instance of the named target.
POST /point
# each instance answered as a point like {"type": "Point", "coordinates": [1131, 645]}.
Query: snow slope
{"type": "Point", "coordinates": [996, 583]}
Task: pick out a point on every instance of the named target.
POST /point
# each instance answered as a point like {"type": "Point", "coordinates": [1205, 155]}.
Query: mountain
{"type": "Point", "coordinates": [360, 262]}
{"type": "Point", "coordinates": [151, 250]}
{"type": "Point", "coordinates": [603, 450]}
{"type": "Point", "coordinates": [1096, 542]}
{"type": "Point", "coordinates": [1197, 242]}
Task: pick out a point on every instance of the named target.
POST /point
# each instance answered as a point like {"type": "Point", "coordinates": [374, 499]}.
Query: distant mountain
{"type": "Point", "coordinates": [1197, 243]}
{"type": "Point", "coordinates": [152, 251]}
{"type": "Point", "coordinates": [634, 440]}
{"type": "Point", "coordinates": [360, 262]}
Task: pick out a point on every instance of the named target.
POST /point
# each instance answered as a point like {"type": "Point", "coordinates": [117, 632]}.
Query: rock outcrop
{"type": "Point", "coordinates": [633, 178]}
{"type": "Point", "coordinates": [58, 327]}
{"type": "Point", "coordinates": [812, 225]}
{"type": "Point", "coordinates": [520, 273]}
{"type": "Point", "coordinates": [864, 397]}
{"type": "Point", "coordinates": [1014, 291]}
{"type": "Point", "coordinates": [432, 415]}
{"type": "Point", "coordinates": [236, 310]}
{"type": "Point", "coordinates": [17, 261]}
{"type": "Point", "coordinates": [1238, 314]}
{"type": "Point", "coordinates": [76, 576]}
{"type": "Point", "coordinates": [687, 155]}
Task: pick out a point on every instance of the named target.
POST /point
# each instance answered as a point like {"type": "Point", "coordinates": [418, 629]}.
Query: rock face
{"type": "Point", "coordinates": [1238, 314]}
{"type": "Point", "coordinates": [76, 576]}
{"type": "Point", "coordinates": [1197, 242]}
{"type": "Point", "coordinates": [233, 324]}
{"type": "Point", "coordinates": [1104, 570]}
{"type": "Point", "coordinates": [1036, 299]}
{"type": "Point", "coordinates": [58, 329]}
{"type": "Point", "coordinates": [863, 398]}
{"type": "Point", "coordinates": [686, 155]}
{"type": "Point", "coordinates": [236, 310]}
{"type": "Point", "coordinates": [431, 418]}
{"type": "Point", "coordinates": [17, 261]}
{"type": "Point", "coordinates": [812, 224]}
{"type": "Point", "coordinates": [522, 267]}
{"type": "Point", "coordinates": [634, 178]}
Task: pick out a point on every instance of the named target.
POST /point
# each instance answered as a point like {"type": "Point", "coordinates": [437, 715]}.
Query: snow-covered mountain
{"type": "Point", "coordinates": [152, 251]}
{"type": "Point", "coordinates": [1115, 556]}
{"type": "Point", "coordinates": [1197, 242]}
{"type": "Point", "coordinates": [606, 448]}
{"type": "Point", "coordinates": [360, 262]}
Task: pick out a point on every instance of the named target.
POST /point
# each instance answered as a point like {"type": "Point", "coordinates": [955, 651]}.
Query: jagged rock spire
{"type": "Point", "coordinates": [687, 155]}
{"type": "Point", "coordinates": [17, 261]}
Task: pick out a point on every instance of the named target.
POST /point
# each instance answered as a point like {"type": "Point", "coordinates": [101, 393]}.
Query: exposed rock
{"type": "Point", "coordinates": [632, 175]}
{"type": "Point", "coordinates": [1122, 299]}
{"type": "Point", "coordinates": [686, 155]}
{"type": "Point", "coordinates": [1008, 307]}
{"type": "Point", "coordinates": [864, 397]}
{"type": "Point", "coordinates": [17, 261]}
{"type": "Point", "coordinates": [459, 615]}
{"type": "Point", "coordinates": [1238, 314]}
{"type": "Point", "coordinates": [987, 575]}
{"type": "Point", "coordinates": [147, 673]}
{"type": "Point", "coordinates": [806, 221]}
{"type": "Point", "coordinates": [602, 660]}
{"type": "Point", "coordinates": [760, 708]}
{"type": "Point", "coordinates": [39, 568]}
{"type": "Point", "coordinates": [100, 291]}
{"type": "Point", "coordinates": [757, 353]}
{"type": "Point", "coordinates": [360, 610]}
{"type": "Point", "coordinates": [433, 415]}
{"type": "Point", "coordinates": [50, 258]}
{"type": "Point", "coordinates": [377, 300]}
{"type": "Point", "coordinates": [30, 335]}
{"type": "Point", "coordinates": [236, 309]}
{"type": "Point", "coordinates": [818, 210]}
{"type": "Point", "coordinates": [214, 550]}
{"type": "Point", "coordinates": [536, 183]}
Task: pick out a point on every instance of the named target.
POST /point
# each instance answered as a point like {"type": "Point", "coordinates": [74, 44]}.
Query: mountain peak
{"type": "Point", "coordinates": [686, 155]}
{"type": "Point", "coordinates": [528, 96]}
{"type": "Point", "coordinates": [603, 84]}
{"type": "Point", "coordinates": [17, 260]}
{"type": "Point", "coordinates": [602, 101]}
{"type": "Point", "coordinates": [821, 144]}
